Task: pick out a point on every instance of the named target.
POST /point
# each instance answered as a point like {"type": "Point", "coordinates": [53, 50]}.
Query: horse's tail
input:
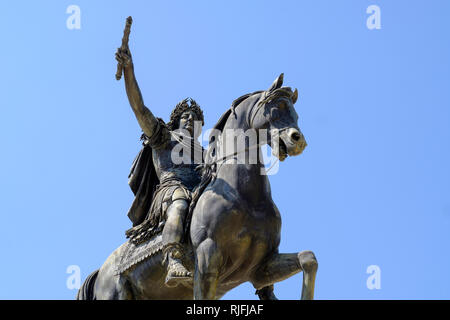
{"type": "Point", "coordinates": [86, 291]}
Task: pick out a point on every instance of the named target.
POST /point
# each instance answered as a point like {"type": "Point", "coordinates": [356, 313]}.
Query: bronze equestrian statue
{"type": "Point", "coordinates": [197, 234]}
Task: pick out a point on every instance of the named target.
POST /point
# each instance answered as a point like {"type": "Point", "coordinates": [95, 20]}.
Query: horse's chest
{"type": "Point", "coordinates": [265, 232]}
{"type": "Point", "coordinates": [254, 239]}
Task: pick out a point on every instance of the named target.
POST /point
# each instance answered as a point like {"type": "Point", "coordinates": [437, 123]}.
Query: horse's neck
{"type": "Point", "coordinates": [248, 179]}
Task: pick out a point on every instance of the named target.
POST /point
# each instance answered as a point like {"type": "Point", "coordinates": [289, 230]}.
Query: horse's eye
{"type": "Point", "coordinates": [274, 113]}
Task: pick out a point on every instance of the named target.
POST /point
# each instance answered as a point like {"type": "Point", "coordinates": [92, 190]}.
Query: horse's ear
{"type": "Point", "coordinates": [295, 96]}
{"type": "Point", "coordinates": [277, 83]}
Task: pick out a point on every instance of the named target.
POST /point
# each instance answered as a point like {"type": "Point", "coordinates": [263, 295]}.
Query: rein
{"type": "Point", "coordinates": [251, 116]}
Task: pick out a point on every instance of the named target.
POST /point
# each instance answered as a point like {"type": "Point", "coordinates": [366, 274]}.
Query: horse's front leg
{"type": "Point", "coordinates": [282, 266]}
{"type": "Point", "coordinates": [207, 263]}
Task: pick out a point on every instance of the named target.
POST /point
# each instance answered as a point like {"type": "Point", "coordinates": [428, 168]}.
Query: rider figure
{"type": "Point", "coordinates": [170, 201]}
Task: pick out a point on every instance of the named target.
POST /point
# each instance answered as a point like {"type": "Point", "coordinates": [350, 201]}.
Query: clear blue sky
{"type": "Point", "coordinates": [372, 187]}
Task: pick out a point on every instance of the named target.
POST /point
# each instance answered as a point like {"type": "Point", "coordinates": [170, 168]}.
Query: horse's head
{"type": "Point", "coordinates": [275, 112]}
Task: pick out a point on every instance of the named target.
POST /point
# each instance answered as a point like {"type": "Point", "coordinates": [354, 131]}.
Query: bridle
{"type": "Point", "coordinates": [250, 119]}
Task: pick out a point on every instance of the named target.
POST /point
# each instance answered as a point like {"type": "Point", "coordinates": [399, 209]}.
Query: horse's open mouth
{"type": "Point", "coordinates": [282, 150]}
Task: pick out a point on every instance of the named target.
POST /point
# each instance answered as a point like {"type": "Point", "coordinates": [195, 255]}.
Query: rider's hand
{"type": "Point", "coordinates": [123, 57]}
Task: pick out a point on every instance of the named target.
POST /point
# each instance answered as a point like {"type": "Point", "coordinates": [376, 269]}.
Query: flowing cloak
{"type": "Point", "coordinates": [142, 181]}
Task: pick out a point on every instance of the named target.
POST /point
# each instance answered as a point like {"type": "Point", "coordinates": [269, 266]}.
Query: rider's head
{"type": "Point", "coordinates": [184, 115]}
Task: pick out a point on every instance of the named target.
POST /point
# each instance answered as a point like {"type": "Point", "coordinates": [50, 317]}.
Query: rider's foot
{"type": "Point", "coordinates": [176, 272]}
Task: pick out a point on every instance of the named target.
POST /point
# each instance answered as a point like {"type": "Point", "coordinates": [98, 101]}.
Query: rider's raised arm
{"type": "Point", "coordinates": [149, 124]}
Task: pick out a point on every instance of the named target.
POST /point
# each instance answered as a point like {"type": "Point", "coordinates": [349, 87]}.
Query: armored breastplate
{"type": "Point", "coordinates": [167, 165]}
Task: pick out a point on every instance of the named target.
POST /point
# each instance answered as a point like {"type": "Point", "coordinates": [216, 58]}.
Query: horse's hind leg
{"type": "Point", "coordinates": [282, 266]}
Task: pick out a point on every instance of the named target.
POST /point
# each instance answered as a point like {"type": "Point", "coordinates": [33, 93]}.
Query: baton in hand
{"type": "Point", "coordinates": [126, 35]}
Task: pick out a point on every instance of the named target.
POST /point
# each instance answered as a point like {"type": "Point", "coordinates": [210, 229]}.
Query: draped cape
{"type": "Point", "coordinates": [142, 181]}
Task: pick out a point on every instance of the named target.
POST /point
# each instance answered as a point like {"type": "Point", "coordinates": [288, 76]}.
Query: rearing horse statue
{"type": "Point", "coordinates": [235, 225]}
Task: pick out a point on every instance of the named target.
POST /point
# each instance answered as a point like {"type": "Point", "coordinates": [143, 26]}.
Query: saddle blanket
{"type": "Point", "coordinates": [133, 254]}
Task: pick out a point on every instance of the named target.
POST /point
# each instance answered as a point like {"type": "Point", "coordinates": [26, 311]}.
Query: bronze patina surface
{"type": "Point", "coordinates": [200, 230]}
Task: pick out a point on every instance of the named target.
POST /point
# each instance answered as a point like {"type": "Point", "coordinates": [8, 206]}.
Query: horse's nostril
{"type": "Point", "coordinates": [295, 136]}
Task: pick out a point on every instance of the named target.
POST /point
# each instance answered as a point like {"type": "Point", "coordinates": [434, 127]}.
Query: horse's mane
{"type": "Point", "coordinates": [270, 96]}
{"type": "Point", "coordinates": [223, 119]}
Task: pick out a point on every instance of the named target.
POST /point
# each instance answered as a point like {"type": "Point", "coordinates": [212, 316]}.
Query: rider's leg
{"type": "Point", "coordinates": [173, 229]}
{"type": "Point", "coordinates": [172, 236]}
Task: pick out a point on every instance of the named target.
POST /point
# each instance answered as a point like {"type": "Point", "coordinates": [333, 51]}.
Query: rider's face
{"type": "Point", "coordinates": [187, 119]}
